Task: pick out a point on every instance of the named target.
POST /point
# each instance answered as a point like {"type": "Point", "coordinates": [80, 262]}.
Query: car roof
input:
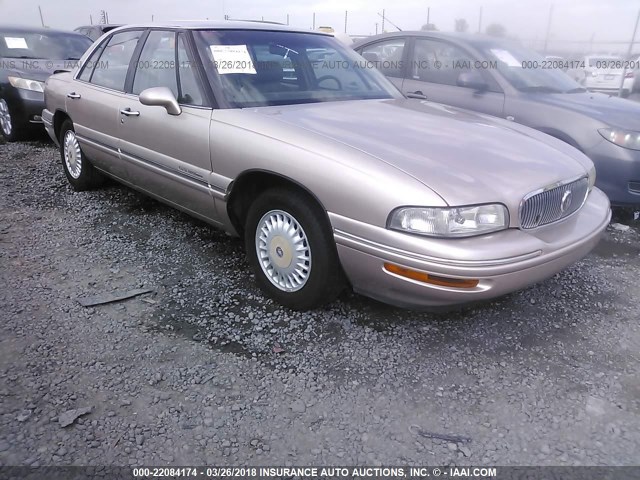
{"type": "Point", "coordinates": [476, 39]}
{"type": "Point", "coordinates": [224, 25]}
{"type": "Point", "coordinates": [101, 25]}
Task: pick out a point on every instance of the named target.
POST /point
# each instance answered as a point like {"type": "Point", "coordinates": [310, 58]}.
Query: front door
{"type": "Point", "coordinates": [434, 70]}
{"type": "Point", "coordinates": [168, 155]}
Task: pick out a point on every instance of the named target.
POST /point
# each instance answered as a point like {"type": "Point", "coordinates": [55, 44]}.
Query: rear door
{"type": "Point", "coordinates": [434, 69]}
{"type": "Point", "coordinates": [93, 99]}
{"type": "Point", "coordinates": [168, 155]}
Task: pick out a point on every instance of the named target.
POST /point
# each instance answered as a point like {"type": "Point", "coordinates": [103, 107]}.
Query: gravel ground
{"type": "Point", "coordinates": [205, 370]}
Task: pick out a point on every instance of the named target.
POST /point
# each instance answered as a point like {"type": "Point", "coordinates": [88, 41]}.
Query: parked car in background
{"type": "Point", "coordinates": [634, 69]}
{"type": "Point", "coordinates": [94, 32]}
{"type": "Point", "coordinates": [27, 57]}
{"type": "Point", "coordinates": [326, 171]}
{"type": "Point", "coordinates": [603, 73]}
{"type": "Point", "coordinates": [555, 61]}
{"type": "Point", "coordinates": [502, 78]}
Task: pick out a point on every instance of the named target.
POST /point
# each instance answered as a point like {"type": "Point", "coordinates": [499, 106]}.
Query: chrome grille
{"type": "Point", "coordinates": [552, 204]}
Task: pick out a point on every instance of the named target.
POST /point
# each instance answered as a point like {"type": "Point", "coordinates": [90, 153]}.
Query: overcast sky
{"type": "Point", "coordinates": [577, 20]}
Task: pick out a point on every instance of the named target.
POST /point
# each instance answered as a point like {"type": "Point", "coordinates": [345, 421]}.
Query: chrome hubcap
{"type": "Point", "coordinates": [5, 118]}
{"type": "Point", "coordinates": [283, 251]}
{"type": "Point", "coordinates": [72, 154]}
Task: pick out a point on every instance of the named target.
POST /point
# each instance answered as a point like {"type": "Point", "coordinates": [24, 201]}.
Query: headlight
{"type": "Point", "coordinates": [622, 138]}
{"type": "Point", "coordinates": [450, 221]}
{"type": "Point", "coordinates": [26, 84]}
{"type": "Point", "coordinates": [592, 177]}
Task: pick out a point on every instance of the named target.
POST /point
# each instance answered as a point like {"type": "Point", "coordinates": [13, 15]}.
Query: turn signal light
{"type": "Point", "coordinates": [429, 278]}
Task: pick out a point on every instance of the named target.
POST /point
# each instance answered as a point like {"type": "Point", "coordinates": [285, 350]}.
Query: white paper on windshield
{"type": "Point", "coordinates": [15, 42]}
{"type": "Point", "coordinates": [506, 57]}
{"type": "Point", "coordinates": [232, 59]}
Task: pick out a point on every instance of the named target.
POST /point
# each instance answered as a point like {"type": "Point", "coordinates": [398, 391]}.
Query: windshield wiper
{"type": "Point", "coordinates": [576, 90]}
{"type": "Point", "coordinates": [540, 88]}
{"type": "Point", "coordinates": [73, 58]}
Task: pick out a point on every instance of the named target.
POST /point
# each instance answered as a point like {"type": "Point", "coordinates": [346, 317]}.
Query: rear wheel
{"type": "Point", "coordinates": [10, 130]}
{"type": "Point", "coordinates": [291, 250]}
{"type": "Point", "coordinates": [78, 169]}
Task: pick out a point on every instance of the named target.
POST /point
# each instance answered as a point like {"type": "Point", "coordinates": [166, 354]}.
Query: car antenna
{"type": "Point", "coordinates": [387, 19]}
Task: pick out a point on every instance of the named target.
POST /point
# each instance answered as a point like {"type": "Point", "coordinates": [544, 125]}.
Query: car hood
{"type": "Point", "coordinates": [612, 111]}
{"type": "Point", "coordinates": [39, 69]}
{"type": "Point", "coordinates": [464, 157]}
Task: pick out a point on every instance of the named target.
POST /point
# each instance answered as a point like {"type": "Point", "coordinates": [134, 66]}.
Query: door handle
{"type": "Point", "coordinates": [73, 95]}
{"type": "Point", "coordinates": [417, 94]}
{"type": "Point", "coordinates": [129, 113]}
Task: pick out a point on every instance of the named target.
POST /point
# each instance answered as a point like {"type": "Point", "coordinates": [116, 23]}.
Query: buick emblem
{"type": "Point", "coordinates": [565, 203]}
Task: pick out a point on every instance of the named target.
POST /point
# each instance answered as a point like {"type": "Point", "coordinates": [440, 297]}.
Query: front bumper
{"type": "Point", "coordinates": [26, 106]}
{"type": "Point", "coordinates": [47, 119]}
{"type": "Point", "coordinates": [502, 262]}
{"type": "Point", "coordinates": [617, 172]}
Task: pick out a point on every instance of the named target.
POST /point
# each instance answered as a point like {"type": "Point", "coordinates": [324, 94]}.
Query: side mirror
{"type": "Point", "coordinates": [472, 80]}
{"type": "Point", "coordinates": [160, 97]}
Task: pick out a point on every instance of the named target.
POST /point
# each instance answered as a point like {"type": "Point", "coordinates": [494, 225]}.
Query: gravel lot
{"type": "Point", "coordinates": [206, 370]}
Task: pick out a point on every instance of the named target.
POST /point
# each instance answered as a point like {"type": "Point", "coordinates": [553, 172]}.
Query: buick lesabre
{"type": "Point", "coordinates": [327, 172]}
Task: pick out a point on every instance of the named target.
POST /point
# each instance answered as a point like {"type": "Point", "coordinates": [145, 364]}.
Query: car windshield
{"type": "Point", "coordinates": [257, 68]}
{"type": "Point", "coordinates": [55, 46]}
{"type": "Point", "coordinates": [524, 70]}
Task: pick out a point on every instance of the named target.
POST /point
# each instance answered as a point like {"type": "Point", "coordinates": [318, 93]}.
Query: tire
{"type": "Point", "coordinates": [9, 128]}
{"type": "Point", "coordinates": [80, 173]}
{"type": "Point", "coordinates": [318, 278]}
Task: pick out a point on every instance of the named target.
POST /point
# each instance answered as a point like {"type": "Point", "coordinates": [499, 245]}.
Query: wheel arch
{"type": "Point", "coordinates": [59, 118]}
{"type": "Point", "coordinates": [560, 136]}
{"type": "Point", "coordinates": [251, 183]}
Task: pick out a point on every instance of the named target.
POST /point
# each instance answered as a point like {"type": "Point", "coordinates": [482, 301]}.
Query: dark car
{"type": "Point", "coordinates": [28, 56]}
{"type": "Point", "coordinates": [94, 32]}
{"type": "Point", "coordinates": [502, 78]}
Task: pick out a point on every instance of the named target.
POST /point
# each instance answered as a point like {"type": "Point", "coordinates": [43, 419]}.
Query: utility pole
{"type": "Point", "coordinates": [287, 19]}
{"type": "Point", "coordinates": [314, 21]}
{"type": "Point", "coordinates": [376, 28]}
{"type": "Point", "coordinates": [633, 39]}
{"type": "Point", "coordinates": [152, 18]}
{"type": "Point", "coordinates": [546, 37]}
{"type": "Point", "coordinates": [428, 15]}
{"type": "Point", "coordinates": [382, 20]}
{"type": "Point", "coordinates": [346, 13]}
{"type": "Point", "coordinates": [91, 19]}
{"type": "Point", "coordinates": [41, 17]}
{"type": "Point", "coordinates": [480, 21]}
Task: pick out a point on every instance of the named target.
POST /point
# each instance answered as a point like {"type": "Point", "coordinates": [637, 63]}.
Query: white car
{"type": "Point", "coordinates": [603, 73]}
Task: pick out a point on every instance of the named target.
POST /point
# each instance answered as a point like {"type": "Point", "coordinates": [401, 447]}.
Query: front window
{"type": "Point", "coordinates": [523, 69]}
{"type": "Point", "coordinates": [386, 56]}
{"type": "Point", "coordinates": [54, 46]}
{"type": "Point", "coordinates": [259, 68]}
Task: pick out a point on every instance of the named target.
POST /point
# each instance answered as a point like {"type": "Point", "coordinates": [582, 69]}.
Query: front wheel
{"type": "Point", "coordinates": [80, 173]}
{"type": "Point", "coordinates": [291, 250]}
{"type": "Point", "coordinates": [8, 127]}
